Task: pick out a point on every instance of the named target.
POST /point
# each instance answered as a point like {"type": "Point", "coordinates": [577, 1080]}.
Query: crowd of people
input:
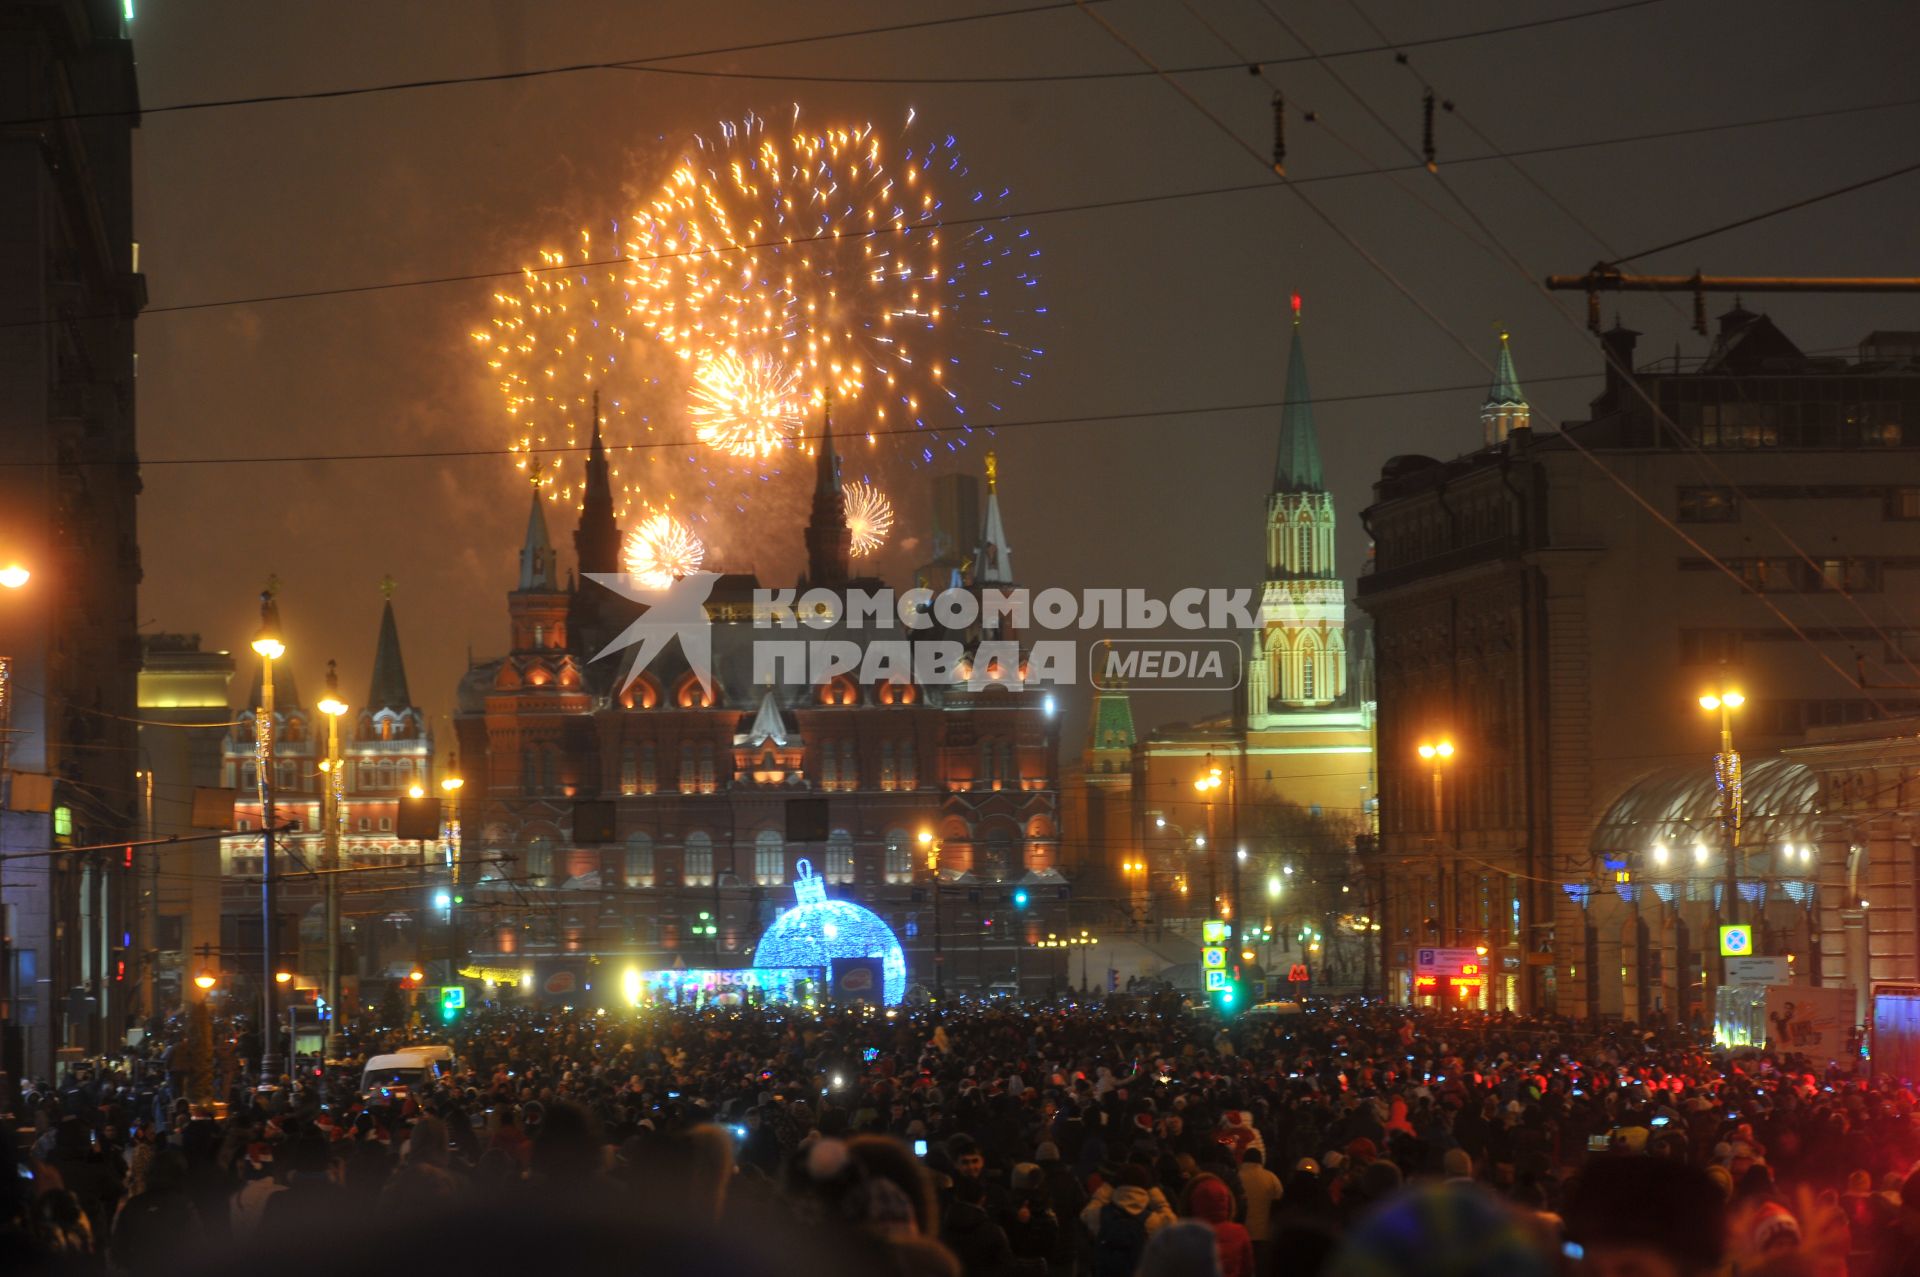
{"type": "Point", "coordinates": [993, 1140]}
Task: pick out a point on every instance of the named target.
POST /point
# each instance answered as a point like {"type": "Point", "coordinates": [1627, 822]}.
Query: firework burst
{"type": "Point", "coordinates": [747, 407]}
{"type": "Point", "coordinates": [661, 550]}
{"type": "Point", "coordinates": [816, 250]}
{"type": "Point", "coordinates": [869, 516]}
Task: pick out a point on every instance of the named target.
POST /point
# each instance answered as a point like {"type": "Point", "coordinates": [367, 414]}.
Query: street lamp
{"type": "Point", "coordinates": [1438, 755]}
{"type": "Point", "coordinates": [333, 817]}
{"type": "Point", "coordinates": [932, 849]}
{"type": "Point", "coordinates": [267, 642]}
{"type": "Point", "coordinates": [450, 786]}
{"type": "Point", "coordinates": [1208, 785]}
{"type": "Point", "coordinates": [1727, 784]}
{"type": "Point", "coordinates": [205, 981]}
{"type": "Point", "coordinates": [13, 576]}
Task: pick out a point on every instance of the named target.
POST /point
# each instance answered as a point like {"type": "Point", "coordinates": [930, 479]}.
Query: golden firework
{"type": "Point", "coordinates": [869, 516]}
{"type": "Point", "coordinates": [746, 407]}
{"type": "Point", "coordinates": [661, 550]}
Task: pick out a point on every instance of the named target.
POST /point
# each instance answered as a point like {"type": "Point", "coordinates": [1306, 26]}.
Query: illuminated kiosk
{"type": "Point", "coordinates": [817, 931]}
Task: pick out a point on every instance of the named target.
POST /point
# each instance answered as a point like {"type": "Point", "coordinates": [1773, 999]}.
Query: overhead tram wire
{"type": "Point", "coordinates": [1706, 465]}
{"type": "Point", "coordinates": [647, 445]}
{"type": "Point", "coordinates": [650, 64]}
{"type": "Point", "coordinates": [1469, 349]}
{"type": "Point", "coordinates": [1283, 103]}
{"type": "Point", "coordinates": [1795, 206]}
{"type": "Point", "coordinates": [1241, 188]}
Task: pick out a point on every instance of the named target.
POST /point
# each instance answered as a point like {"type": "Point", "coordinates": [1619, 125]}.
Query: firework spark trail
{"type": "Point", "coordinates": [662, 549]}
{"type": "Point", "coordinates": [773, 266]}
{"type": "Point", "coordinates": [869, 516]}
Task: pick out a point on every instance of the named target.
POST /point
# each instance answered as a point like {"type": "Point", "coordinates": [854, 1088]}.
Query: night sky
{"type": "Point", "coordinates": [1172, 305]}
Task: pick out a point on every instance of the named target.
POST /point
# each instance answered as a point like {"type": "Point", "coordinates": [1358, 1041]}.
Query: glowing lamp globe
{"type": "Point", "coordinates": [817, 931]}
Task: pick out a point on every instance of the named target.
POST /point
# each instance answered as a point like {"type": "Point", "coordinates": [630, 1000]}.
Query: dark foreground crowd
{"type": "Point", "coordinates": [994, 1141]}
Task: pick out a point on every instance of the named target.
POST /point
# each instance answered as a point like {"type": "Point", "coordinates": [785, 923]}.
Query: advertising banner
{"type": "Point", "coordinates": [1817, 1023]}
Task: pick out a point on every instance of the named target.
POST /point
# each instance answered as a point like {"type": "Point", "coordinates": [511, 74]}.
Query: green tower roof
{"type": "Point", "coordinates": [1297, 467]}
{"type": "Point", "coordinates": [1506, 382]}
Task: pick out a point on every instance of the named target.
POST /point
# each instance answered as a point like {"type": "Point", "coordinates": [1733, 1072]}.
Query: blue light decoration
{"type": "Point", "coordinates": [817, 930]}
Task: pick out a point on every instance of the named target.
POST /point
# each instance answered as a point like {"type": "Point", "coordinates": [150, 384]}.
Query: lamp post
{"type": "Point", "coordinates": [13, 576]}
{"type": "Point", "coordinates": [450, 786]}
{"type": "Point", "coordinates": [1726, 779]}
{"type": "Point", "coordinates": [268, 644]}
{"type": "Point", "coordinates": [333, 815]}
{"type": "Point", "coordinates": [1208, 785]}
{"type": "Point", "coordinates": [932, 846]}
{"type": "Point", "coordinates": [1438, 755]}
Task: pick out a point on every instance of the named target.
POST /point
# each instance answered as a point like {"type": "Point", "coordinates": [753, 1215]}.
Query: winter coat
{"type": "Point", "coordinates": [1213, 1203]}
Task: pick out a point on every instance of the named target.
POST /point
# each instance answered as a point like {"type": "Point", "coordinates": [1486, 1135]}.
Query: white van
{"type": "Point", "coordinates": [387, 1075]}
{"type": "Point", "coordinates": [440, 1054]}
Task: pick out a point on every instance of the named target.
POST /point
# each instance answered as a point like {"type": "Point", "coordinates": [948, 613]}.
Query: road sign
{"type": "Point", "coordinates": [1297, 973]}
{"type": "Point", "coordinates": [1213, 931]}
{"type": "Point", "coordinates": [1446, 961]}
{"type": "Point", "coordinates": [1759, 971]}
{"type": "Point", "coordinates": [1213, 958]}
{"type": "Point", "coordinates": [1736, 941]}
{"type": "Point", "coordinates": [453, 997]}
{"type": "Point", "coordinates": [1216, 981]}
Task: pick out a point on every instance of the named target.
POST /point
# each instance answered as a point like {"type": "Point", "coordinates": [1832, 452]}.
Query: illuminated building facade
{"type": "Point", "coordinates": [1297, 746]}
{"type": "Point", "coordinates": [659, 825]}
{"type": "Point", "coordinates": [69, 635]}
{"type": "Point", "coordinates": [1528, 607]}
{"type": "Point", "coordinates": [386, 749]}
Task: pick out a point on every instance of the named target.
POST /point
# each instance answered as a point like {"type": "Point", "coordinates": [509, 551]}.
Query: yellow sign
{"type": "Point", "coordinates": [1213, 958]}
{"type": "Point", "coordinates": [1213, 931]}
{"type": "Point", "coordinates": [1736, 941]}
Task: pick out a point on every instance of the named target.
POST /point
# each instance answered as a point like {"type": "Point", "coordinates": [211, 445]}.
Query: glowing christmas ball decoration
{"type": "Point", "coordinates": [661, 550]}
{"type": "Point", "coordinates": [869, 517]}
{"type": "Point", "coordinates": [817, 931]}
{"type": "Point", "coordinates": [747, 406]}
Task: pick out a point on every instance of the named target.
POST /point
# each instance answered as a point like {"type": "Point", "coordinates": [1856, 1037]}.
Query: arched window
{"type": "Point", "coordinates": [886, 764]}
{"type": "Point", "coordinates": [539, 859]}
{"type": "Point", "coordinates": [849, 766]}
{"type": "Point", "coordinates": [639, 860]}
{"type": "Point", "coordinates": [699, 859]}
{"type": "Point", "coordinates": [1000, 855]}
{"type": "Point", "coordinates": [1305, 535]}
{"type": "Point", "coordinates": [899, 856]}
{"type": "Point", "coordinates": [529, 771]}
{"type": "Point", "coordinates": [629, 769]}
{"type": "Point", "coordinates": [687, 778]}
{"type": "Point", "coordinates": [983, 775]}
{"type": "Point", "coordinates": [1307, 663]}
{"type": "Point", "coordinates": [840, 856]}
{"type": "Point", "coordinates": [706, 767]}
{"type": "Point", "coordinates": [550, 770]}
{"type": "Point", "coordinates": [385, 773]}
{"type": "Point", "coordinates": [1007, 774]}
{"type": "Point", "coordinates": [649, 769]}
{"type": "Point", "coordinates": [769, 858]}
{"type": "Point", "coordinates": [539, 635]}
{"type": "Point", "coordinates": [909, 768]}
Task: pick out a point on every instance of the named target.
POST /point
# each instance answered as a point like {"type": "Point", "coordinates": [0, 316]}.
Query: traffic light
{"type": "Point", "coordinates": [453, 1000]}
{"type": "Point", "coordinates": [703, 926]}
{"type": "Point", "coordinates": [1019, 897]}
